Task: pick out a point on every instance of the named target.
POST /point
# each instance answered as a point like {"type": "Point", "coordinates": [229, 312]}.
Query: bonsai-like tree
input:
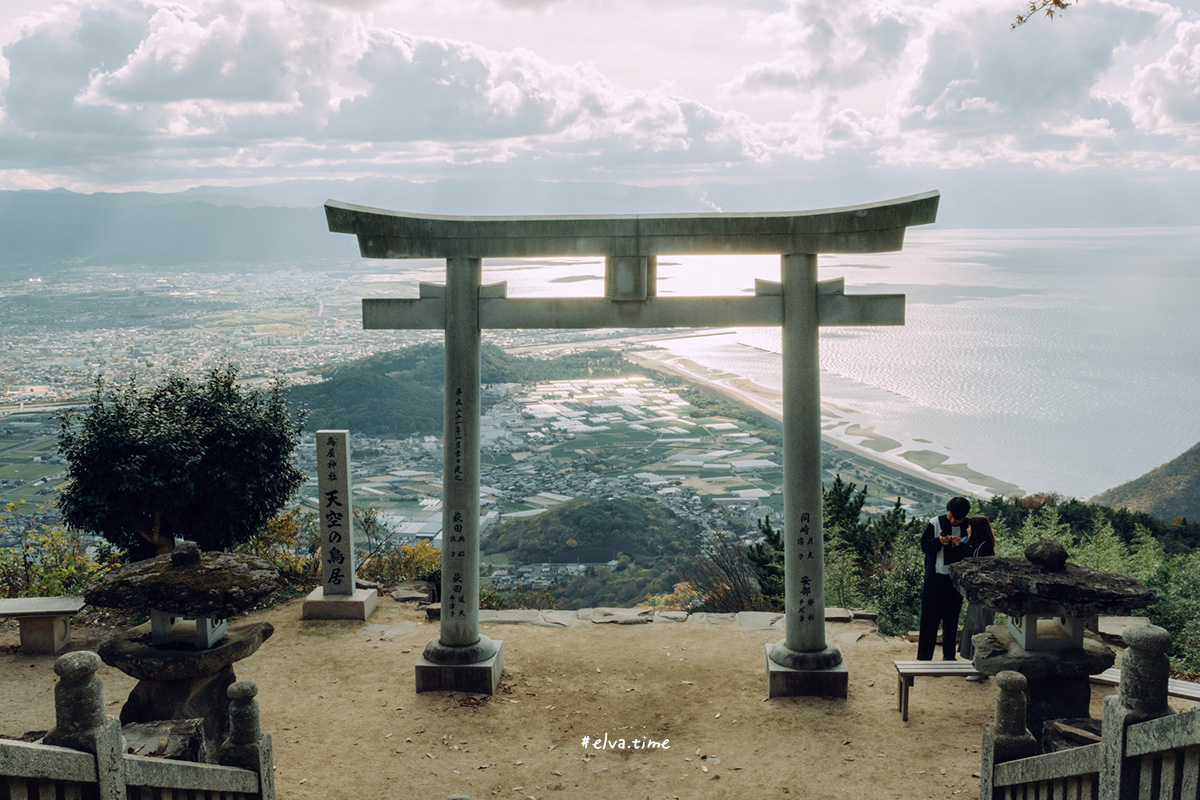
{"type": "Point", "coordinates": [207, 461]}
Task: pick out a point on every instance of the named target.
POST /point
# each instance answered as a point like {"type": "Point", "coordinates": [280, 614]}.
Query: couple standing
{"type": "Point", "coordinates": [949, 538]}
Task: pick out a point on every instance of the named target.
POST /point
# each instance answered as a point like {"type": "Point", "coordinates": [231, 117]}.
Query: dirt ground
{"type": "Point", "coordinates": [339, 700]}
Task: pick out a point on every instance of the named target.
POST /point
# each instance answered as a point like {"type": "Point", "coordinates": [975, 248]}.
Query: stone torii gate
{"type": "Point", "coordinates": [460, 658]}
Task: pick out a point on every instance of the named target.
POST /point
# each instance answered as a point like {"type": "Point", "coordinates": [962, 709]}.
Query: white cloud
{"type": "Point", "coordinates": [102, 90]}
{"type": "Point", "coordinates": [827, 45]}
{"type": "Point", "coordinates": [233, 68]}
{"type": "Point", "coordinates": [50, 61]}
{"type": "Point", "coordinates": [263, 73]}
{"type": "Point", "coordinates": [976, 73]}
{"type": "Point", "coordinates": [1165, 95]}
{"type": "Point", "coordinates": [983, 94]}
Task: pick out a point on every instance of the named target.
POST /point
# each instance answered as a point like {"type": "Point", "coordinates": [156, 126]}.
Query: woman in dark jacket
{"type": "Point", "coordinates": [982, 543]}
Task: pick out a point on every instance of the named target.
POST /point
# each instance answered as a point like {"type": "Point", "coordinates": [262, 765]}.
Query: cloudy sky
{"type": "Point", "coordinates": [166, 94]}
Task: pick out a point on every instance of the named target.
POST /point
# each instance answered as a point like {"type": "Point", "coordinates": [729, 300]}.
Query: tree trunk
{"type": "Point", "coordinates": [161, 543]}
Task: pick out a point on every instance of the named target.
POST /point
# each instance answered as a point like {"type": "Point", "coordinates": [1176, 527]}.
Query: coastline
{"type": "Point", "coordinates": [841, 427]}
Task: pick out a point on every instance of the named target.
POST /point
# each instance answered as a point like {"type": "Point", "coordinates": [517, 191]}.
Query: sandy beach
{"type": "Point", "coordinates": [841, 426]}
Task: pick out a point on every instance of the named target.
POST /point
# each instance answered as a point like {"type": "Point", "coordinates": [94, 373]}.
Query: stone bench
{"type": "Point", "coordinates": [906, 671]}
{"type": "Point", "coordinates": [1175, 688]}
{"type": "Point", "coordinates": [45, 622]}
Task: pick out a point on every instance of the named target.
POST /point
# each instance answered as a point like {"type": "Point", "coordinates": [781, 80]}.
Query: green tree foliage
{"type": "Point", "coordinates": [539, 599]}
{"type": "Point", "coordinates": [1177, 535]}
{"type": "Point", "coordinates": [855, 549]}
{"type": "Point", "coordinates": [893, 582]}
{"type": "Point", "coordinates": [843, 575]}
{"type": "Point", "coordinates": [878, 565]}
{"type": "Point", "coordinates": [766, 559]}
{"type": "Point", "coordinates": [842, 509]}
{"type": "Point", "coordinates": [204, 460]}
{"type": "Point", "coordinates": [1177, 581]}
{"type": "Point", "coordinates": [600, 586]}
{"type": "Point", "coordinates": [600, 529]}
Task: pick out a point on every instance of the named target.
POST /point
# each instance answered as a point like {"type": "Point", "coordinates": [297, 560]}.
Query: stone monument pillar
{"type": "Point", "coordinates": [336, 597]}
{"type": "Point", "coordinates": [460, 658]}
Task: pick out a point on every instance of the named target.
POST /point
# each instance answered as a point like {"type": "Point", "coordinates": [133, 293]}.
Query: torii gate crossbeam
{"type": "Point", "coordinates": [802, 663]}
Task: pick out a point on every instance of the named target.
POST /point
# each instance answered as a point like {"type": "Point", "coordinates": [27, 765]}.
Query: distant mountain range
{"type": "Point", "coordinates": [1170, 491]}
{"type": "Point", "coordinates": [44, 230]}
{"type": "Point", "coordinates": [284, 222]}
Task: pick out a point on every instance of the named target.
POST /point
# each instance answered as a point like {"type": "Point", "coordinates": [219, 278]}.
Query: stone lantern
{"type": "Point", "coordinates": [183, 658]}
{"type": "Point", "coordinates": [1047, 602]}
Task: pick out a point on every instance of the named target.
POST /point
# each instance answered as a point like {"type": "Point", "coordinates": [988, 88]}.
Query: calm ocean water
{"type": "Point", "coordinates": [1060, 360]}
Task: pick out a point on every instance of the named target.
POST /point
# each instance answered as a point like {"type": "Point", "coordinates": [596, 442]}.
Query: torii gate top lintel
{"type": "Point", "coordinates": [868, 228]}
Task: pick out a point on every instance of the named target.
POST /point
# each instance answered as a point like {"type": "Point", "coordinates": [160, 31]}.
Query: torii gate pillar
{"type": "Point", "coordinates": [460, 658]}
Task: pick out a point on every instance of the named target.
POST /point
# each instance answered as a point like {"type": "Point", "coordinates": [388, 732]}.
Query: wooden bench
{"type": "Point", "coordinates": [45, 622]}
{"type": "Point", "coordinates": [1175, 688]}
{"type": "Point", "coordinates": [906, 671]}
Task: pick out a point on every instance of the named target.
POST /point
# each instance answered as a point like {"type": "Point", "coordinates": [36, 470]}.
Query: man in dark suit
{"type": "Point", "coordinates": [943, 543]}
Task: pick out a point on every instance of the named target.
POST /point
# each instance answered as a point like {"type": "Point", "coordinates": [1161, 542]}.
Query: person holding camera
{"type": "Point", "coordinates": [943, 543]}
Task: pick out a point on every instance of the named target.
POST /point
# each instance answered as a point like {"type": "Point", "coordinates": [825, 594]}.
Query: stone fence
{"type": "Point", "coordinates": [84, 756]}
{"type": "Point", "coordinates": [1145, 751]}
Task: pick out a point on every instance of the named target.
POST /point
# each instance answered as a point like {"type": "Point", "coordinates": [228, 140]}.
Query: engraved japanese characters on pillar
{"type": "Point", "coordinates": [336, 512]}
{"type": "Point", "coordinates": [805, 545]}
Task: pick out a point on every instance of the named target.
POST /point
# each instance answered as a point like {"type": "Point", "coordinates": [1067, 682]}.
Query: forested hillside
{"type": "Point", "coordinates": [647, 540]}
{"type": "Point", "coordinates": [593, 531]}
{"type": "Point", "coordinates": [399, 392]}
{"type": "Point", "coordinates": [1168, 492]}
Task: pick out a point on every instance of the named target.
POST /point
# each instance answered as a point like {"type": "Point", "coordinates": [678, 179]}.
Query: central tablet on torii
{"type": "Point", "coordinates": [462, 660]}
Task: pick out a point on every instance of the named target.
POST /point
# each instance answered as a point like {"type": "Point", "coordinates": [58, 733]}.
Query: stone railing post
{"type": "Point", "coordinates": [81, 724]}
{"type": "Point", "coordinates": [247, 746]}
{"type": "Point", "coordinates": [1142, 695]}
{"type": "Point", "coordinates": [1006, 738]}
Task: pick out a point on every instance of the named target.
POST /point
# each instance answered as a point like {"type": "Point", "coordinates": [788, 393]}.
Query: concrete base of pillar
{"type": "Point", "coordinates": [481, 677]}
{"type": "Point", "coordinates": [359, 605]}
{"type": "Point", "coordinates": [787, 682]}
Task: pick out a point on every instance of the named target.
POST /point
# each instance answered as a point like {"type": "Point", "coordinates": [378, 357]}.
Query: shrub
{"type": "Point", "coordinates": [683, 597]}
{"type": "Point", "coordinates": [896, 588]}
{"type": "Point", "coordinates": [492, 600]}
{"type": "Point", "coordinates": [49, 563]}
{"type": "Point", "coordinates": [539, 599]}
{"type": "Point", "coordinates": [1177, 582]}
{"type": "Point", "coordinates": [407, 562]}
{"type": "Point", "coordinates": [289, 541]}
{"type": "Point", "coordinates": [723, 576]}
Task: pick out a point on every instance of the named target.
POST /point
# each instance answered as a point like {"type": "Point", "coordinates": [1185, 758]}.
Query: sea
{"type": "Point", "coordinates": [1054, 360]}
